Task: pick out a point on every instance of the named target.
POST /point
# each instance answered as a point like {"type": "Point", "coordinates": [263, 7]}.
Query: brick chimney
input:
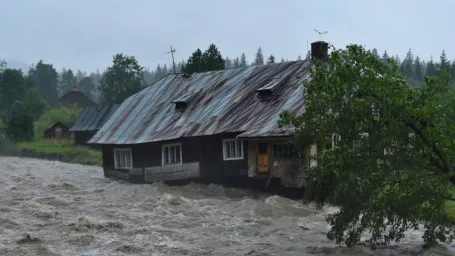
{"type": "Point", "coordinates": [319, 50]}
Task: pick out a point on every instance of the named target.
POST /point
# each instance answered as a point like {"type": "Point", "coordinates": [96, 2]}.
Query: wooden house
{"type": "Point", "coordinates": [90, 121]}
{"type": "Point", "coordinates": [57, 130]}
{"type": "Point", "coordinates": [210, 125]}
{"type": "Point", "coordinates": [75, 97]}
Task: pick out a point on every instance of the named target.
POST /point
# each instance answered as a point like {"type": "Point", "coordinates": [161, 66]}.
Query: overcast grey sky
{"type": "Point", "coordinates": [85, 34]}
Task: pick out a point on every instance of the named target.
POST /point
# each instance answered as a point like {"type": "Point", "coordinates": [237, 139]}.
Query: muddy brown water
{"type": "Point", "coordinates": [53, 208]}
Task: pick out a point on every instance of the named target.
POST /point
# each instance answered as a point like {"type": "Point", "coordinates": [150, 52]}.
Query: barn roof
{"type": "Point", "coordinates": [58, 123]}
{"type": "Point", "coordinates": [245, 100]}
{"type": "Point", "coordinates": [75, 97]}
{"type": "Point", "coordinates": [93, 117]}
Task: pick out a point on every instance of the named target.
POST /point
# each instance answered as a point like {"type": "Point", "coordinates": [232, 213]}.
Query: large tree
{"type": "Point", "coordinates": [210, 60]}
{"type": "Point", "coordinates": [12, 87]}
{"type": "Point", "coordinates": [444, 64]}
{"type": "Point", "coordinates": [33, 104]}
{"type": "Point", "coordinates": [86, 85]}
{"type": "Point", "coordinates": [259, 60]}
{"type": "Point", "coordinates": [431, 68]}
{"type": "Point", "coordinates": [392, 168]}
{"type": "Point", "coordinates": [406, 66]}
{"type": "Point", "coordinates": [418, 69]}
{"type": "Point", "coordinates": [213, 60]}
{"type": "Point", "coordinates": [19, 123]}
{"type": "Point", "coordinates": [243, 61]}
{"type": "Point", "coordinates": [67, 81]}
{"type": "Point", "coordinates": [45, 80]}
{"type": "Point", "coordinates": [195, 63]}
{"type": "Point", "coordinates": [123, 79]}
{"type": "Point", "coordinates": [271, 59]}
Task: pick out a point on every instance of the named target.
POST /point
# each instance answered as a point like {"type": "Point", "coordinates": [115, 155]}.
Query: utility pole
{"type": "Point", "coordinates": [173, 62]}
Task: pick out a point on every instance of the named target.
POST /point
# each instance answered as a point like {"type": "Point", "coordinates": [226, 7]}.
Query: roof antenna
{"type": "Point", "coordinates": [321, 34]}
{"type": "Point", "coordinates": [172, 53]}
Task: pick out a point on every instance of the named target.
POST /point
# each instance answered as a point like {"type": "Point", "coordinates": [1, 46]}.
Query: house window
{"type": "Point", "coordinates": [123, 158]}
{"type": "Point", "coordinates": [232, 149]}
{"type": "Point", "coordinates": [284, 151]}
{"type": "Point", "coordinates": [171, 154]}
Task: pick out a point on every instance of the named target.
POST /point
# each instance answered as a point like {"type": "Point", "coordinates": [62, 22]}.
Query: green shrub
{"type": "Point", "coordinates": [66, 115]}
{"type": "Point", "coordinates": [70, 153]}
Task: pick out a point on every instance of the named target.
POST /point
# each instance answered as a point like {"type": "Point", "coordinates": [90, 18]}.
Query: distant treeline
{"type": "Point", "coordinates": [104, 87]}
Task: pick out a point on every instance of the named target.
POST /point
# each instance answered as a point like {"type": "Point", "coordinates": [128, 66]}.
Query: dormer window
{"type": "Point", "coordinates": [271, 85]}
{"type": "Point", "coordinates": [182, 102]}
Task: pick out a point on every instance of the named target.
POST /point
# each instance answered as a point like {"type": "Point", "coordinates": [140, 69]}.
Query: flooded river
{"type": "Point", "coordinates": [53, 208]}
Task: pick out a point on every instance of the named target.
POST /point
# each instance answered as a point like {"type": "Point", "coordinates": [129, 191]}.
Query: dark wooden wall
{"type": "Point", "coordinates": [50, 133]}
{"type": "Point", "coordinates": [212, 163]}
{"type": "Point", "coordinates": [81, 138]}
{"type": "Point", "coordinates": [207, 150]}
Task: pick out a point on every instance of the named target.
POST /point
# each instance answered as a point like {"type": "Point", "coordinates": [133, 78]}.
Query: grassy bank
{"type": "Point", "coordinates": [66, 148]}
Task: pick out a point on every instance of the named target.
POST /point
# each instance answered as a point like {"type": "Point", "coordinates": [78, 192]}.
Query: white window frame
{"type": "Point", "coordinates": [116, 164]}
{"type": "Point", "coordinates": [237, 141]}
{"type": "Point", "coordinates": [165, 147]}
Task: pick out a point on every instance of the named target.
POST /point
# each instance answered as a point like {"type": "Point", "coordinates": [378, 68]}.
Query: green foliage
{"type": "Point", "coordinates": [272, 59]}
{"type": "Point", "coordinates": [418, 69]}
{"type": "Point", "coordinates": [227, 63]}
{"type": "Point", "coordinates": [210, 60]}
{"type": "Point", "coordinates": [431, 68]}
{"type": "Point", "coordinates": [66, 115]}
{"type": "Point", "coordinates": [399, 176]}
{"type": "Point", "coordinates": [71, 153]}
{"type": "Point", "coordinates": [12, 87]}
{"type": "Point", "coordinates": [407, 66]}
{"type": "Point", "coordinates": [67, 81]}
{"type": "Point", "coordinates": [18, 123]}
{"type": "Point", "coordinates": [122, 80]}
{"type": "Point", "coordinates": [87, 86]}
{"type": "Point", "coordinates": [243, 62]}
{"type": "Point", "coordinates": [33, 104]}
{"type": "Point", "coordinates": [45, 79]}
{"type": "Point", "coordinates": [259, 60]}
{"type": "Point", "coordinates": [444, 64]}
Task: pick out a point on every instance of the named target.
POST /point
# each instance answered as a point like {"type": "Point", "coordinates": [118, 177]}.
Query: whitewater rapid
{"type": "Point", "coordinates": [53, 208]}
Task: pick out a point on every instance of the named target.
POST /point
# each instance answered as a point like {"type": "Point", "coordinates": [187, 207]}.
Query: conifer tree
{"type": "Point", "coordinates": [271, 59]}
{"type": "Point", "coordinates": [259, 60]}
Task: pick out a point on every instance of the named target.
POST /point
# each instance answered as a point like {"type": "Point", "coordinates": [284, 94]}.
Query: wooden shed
{"type": "Point", "coordinates": [57, 130]}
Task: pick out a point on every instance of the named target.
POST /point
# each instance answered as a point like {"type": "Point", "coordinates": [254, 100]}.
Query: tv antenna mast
{"type": "Point", "coordinates": [321, 34]}
{"type": "Point", "coordinates": [172, 53]}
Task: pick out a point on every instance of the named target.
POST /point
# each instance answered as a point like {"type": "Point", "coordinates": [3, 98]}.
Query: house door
{"type": "Point", "coordinates": [263, 157]}
{"type": "Point", "coordinates": [58, 132]}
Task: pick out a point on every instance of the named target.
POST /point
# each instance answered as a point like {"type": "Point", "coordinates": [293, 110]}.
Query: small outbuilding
{"type": "Point", "coordinates": [57, 130]}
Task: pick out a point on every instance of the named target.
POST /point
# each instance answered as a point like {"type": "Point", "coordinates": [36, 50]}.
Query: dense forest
{"type": "Point", "coordinates": [41, 87]}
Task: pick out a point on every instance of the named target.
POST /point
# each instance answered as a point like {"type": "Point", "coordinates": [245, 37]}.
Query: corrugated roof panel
{"type": "Point", "coordinates": [92, 118]}
{"type": "Point", "coordinates": [110, 125]}
{"type": "Point", "coordinates": [222, 101]}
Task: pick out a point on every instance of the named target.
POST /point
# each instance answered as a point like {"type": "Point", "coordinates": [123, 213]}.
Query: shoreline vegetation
{"type": "Point", "coordinates": [53, 149]}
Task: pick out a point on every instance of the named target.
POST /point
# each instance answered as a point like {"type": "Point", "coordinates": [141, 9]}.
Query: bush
{"type": "Point", "coordinates": [18, 124]}
{"type": "Point", "coordinates": [66, 115]}
{"type": "Point", "coordinates": [70, 153]}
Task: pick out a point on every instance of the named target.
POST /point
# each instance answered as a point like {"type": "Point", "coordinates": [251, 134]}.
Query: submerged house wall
{"type": "Point", "coordinates": [201, 157]}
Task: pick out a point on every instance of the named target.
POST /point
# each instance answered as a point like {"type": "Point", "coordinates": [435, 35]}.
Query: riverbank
{"type": "Point", "coordinates": [60, 149]}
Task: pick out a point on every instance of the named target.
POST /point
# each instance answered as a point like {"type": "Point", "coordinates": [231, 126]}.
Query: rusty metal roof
{"type": "Point", "coordinates": [93, 117]}
{"type": "Point", "coordinates": [221, 101]}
